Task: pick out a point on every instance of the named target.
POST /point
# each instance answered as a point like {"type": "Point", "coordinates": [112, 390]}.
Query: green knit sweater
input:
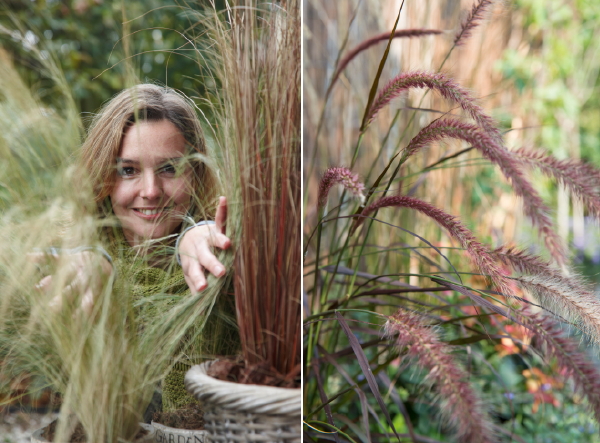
{"type": "Point", "coordinates": [158, 273]}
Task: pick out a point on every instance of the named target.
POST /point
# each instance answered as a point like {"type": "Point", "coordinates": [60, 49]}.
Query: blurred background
{"type": "Point", "coordinates": [92, 39]}
{"type": "Point", "coordinates": [532, 64]}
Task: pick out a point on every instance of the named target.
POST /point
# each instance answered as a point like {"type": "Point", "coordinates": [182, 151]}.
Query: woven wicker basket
{"type": "Point", "coordinates": [236, 412]}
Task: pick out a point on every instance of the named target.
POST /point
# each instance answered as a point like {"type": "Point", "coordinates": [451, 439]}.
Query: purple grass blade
{"type": "Point", "coordinates": [385, 36]}
{"type": "Point", "coordinates": [366, 368]}
{"type": "Point", "coordinates": [480, 301]}
{"type": "Point", "coordinates": [324, 399]}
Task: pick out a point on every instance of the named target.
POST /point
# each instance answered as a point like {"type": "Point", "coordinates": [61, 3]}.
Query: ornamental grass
{"type": "Point", "coordinates": [421, 325]}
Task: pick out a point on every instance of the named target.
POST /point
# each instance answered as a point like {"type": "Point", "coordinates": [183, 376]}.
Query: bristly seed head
{"type": "Point", "coordinates": [460, 406]}
{"type": "Point", "coordinates": [472, 21]}
{"type": "Point", "coordinates": [344, 177]}
{"type": "Point", "coordinates": [574, 362]}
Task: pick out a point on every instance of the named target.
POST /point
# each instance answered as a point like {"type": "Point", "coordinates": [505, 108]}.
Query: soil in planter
{"type": "Point", "coordinates": [258, 374]}
{"type": "Point", "coordinates": [189, 417]}
{"type": "Point", "coordinates": [78, 435]}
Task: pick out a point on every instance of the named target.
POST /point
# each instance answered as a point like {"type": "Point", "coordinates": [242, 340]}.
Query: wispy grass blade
{"type": "Point", "coordinates": [478, 253]}
{"type": "Point", "coordinates": [375, 84]}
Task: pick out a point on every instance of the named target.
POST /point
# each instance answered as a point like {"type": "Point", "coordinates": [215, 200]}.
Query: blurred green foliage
{"type": "Point", "coordinates": [91, 40]}
{"type": "Point", "coordinates": [560, 64]}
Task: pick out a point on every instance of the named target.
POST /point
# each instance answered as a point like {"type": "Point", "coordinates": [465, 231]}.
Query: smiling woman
{"type": "Point", "coordinates": [152, 191]}
{"type": "Point", "coordinates": [141, 155]}
{"type": "Point", "coordinates": [145, 154]}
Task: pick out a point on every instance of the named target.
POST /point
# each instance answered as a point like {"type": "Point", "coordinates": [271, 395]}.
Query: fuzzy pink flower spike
{"type": "Point", "coordinates": [577, 365]}
{"type": "Point", "coordinates": [511, 166]}
{"type": "Point", "coordinates": [460, 406]}
{"type": "Point", "coordinates": [344, 177]}
{"type": "Point", "coordinates": [444, 86]}
{"type": "Point", "coordinates": [472, 21]}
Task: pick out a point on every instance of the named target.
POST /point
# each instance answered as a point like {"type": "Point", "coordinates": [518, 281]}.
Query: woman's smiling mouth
{"type": "Point", "coordinates": [151, 212]}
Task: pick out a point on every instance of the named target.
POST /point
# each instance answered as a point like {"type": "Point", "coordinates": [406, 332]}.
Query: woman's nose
{"type": "Point", "coordinates": [151, 186]}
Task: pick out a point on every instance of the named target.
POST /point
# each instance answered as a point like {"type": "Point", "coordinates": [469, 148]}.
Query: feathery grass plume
{"type": "Point", "coordinates": [576, 363]}
{"type": "Point", "coordinates": [445, 86]}
{"type": "Point", "coordinates": [460, 406]}
{"type": "Point", "coordinates": [472, 21]}
{"type": "Point", "coordinates": [259, 133]}
{"type": "Point", "coordinates": [582, 179]}
{"type": "Point", "coordinates": [478, 253]}
{"type": "Point", "coordinates": [384, 36]}
{"type": "Point", "coordinates": [342, 176]}
{"type": "Point", "coordinates": [523, 262]}
{"type": "Point", "coordinates": [568, 298]}
{"type": "Point", "coordinates": [529, 264]}
{"type": "Point", "coordinates": [511, 167]}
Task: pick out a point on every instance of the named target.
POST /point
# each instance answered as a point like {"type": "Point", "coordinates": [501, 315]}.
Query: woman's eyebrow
{"type": "Point", "coordinates": [127, 160]}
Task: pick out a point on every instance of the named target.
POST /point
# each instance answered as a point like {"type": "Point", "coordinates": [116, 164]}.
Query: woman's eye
{"type": "Point", "coordinates": [168, 169]}
{"type": "Point", "coordinates": [126, 171]}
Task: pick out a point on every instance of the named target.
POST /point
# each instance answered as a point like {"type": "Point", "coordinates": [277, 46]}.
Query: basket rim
{"type": "Point", "coordinates": [242, 397]}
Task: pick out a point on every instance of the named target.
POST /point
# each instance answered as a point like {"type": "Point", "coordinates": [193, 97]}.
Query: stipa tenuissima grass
{"type": "Point", "coordinates": [460, 406]}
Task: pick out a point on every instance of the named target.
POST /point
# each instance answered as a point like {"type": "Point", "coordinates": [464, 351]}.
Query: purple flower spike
{"type": "Point", "coordinates": [460, 405]}
{"type": "Point", "coordinates": [341, 176]}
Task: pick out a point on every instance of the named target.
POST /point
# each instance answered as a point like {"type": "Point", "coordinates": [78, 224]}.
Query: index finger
{"type": "Point", "coordinates": [221, 215]}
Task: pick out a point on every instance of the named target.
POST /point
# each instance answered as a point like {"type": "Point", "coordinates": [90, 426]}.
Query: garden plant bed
{"type": "Point", "coordinates": [259, 374]}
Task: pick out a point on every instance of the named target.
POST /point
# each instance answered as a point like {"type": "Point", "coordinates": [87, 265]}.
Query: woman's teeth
{"type": "Point", "coordinates": [151, 211]}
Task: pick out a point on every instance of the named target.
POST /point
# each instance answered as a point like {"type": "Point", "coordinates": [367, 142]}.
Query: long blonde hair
{"type": "Point", "coordinates": [144, 102]}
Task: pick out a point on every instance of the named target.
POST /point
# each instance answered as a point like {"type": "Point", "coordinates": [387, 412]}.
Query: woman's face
{"type": "Point", "coordinates": [153, 181]}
